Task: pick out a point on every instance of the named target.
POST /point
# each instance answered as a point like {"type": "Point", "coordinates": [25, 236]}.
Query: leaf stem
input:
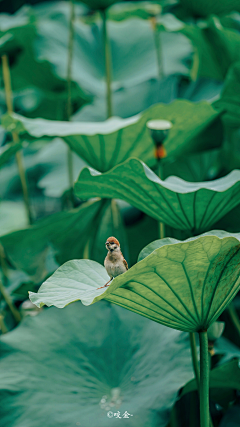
{"type": "Point", "coordinates": [204, 380]}
{"type": "Point", "coordinates": [18, 155]}
{"type": "Point", "coordinates": [194, 354]}
{"type": "Point", "coordinates": [3, 326]}
{"type": "Point", "coordinates": [69, 86]}
{"type": "Point", "coordinates": [107, 55]}
{"type": "Point", "coordinates": [161, 224]}
{"type": "Point", "coordinates": [158, 47]}
{"type": "Point", "coordinates": [10, 304]}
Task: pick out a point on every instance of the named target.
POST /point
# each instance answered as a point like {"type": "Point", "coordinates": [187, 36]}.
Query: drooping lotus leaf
{"type": "Point", "coordinates": [211, 7]}
{"type": "Point", "coordinates": [78, 233]}
{"type": "Point", "coordinates": [184, 285]}
{"type": "Point", "coordinates": [177, 203]}
{"type": "Point", "coordinates": [68, 369]}
{"type": "Point", "coordinates": [196, 127]}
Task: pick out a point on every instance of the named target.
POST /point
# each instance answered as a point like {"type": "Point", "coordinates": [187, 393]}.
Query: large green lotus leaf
{"type": "Point", "coordinates": [177, 203]}
{"type": "Point", "coordinates": [77, 233]}
{"type": "Point", "coordinates": [103, 145]}
{"type": "Point", "coordinates": [229, 100]}
{"type": "Point", "coordinates": [183, 285]}
{"type": "Point", "coordinates": [50, 98]}
{"type": "Point", "coordinates": [211, 7]}
{"type": "Point", "coordinates": [170, 241]}
{"type": "Point", "coordinates": [74, 368]}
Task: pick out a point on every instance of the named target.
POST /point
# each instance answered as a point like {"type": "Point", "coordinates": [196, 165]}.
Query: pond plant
{"type": "Point", "coordinates": [124, 121]}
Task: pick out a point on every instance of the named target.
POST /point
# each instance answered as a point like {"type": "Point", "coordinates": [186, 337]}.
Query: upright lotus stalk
{"type": "Point", "coordinates": [195, 358]}
{"type": "Point", "coordinates": [69, 85]}
{"type": "Point", "coordinates": [19, 158]}
{"type": "Point", "coordinates": [204, 380]}
{"type": "Point", "coordinates": [107, 55]}
{"type": "Point", "coordinates": [15, 313]}
{"type": "Point", "coordinates": [158, 46]}
{"type": "Point", "coordinates": [159, 130]}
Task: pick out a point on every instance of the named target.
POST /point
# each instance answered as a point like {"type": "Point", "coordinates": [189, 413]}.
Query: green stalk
{"type": "Point", "coordinates": [195, 358]}
{"type": "Point", "coordinates": [69, 85]}
{"type": "Point", "coordinates": [160, 224]}
{"type": "Point", "coordinates": [204, 380]}
{"type": "Point", "coordinates": [107, 55]}
{"type": "Point", "coordinates": [10, 304]}
{"type": "Point", "coordinates": [3, 326]}
{"type": "Point", "coordinates": [3, 264]}
{"type": "Point", "coordinates": [18, 155]}
{"type": "Point", "coordinates": [158, 47]}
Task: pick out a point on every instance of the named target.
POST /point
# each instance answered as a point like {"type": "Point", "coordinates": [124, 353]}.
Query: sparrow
{"type": "Point", "coordinates": [114, 262]}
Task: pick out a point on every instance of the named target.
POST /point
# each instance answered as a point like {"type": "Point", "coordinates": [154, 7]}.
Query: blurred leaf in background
{"type": "Point", "coordinates": [78, 374]}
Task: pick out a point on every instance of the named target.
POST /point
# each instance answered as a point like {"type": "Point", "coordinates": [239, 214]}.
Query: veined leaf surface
{"type": "Point", "coordinates": [175, 202]}
{"type": "Point", "coordinates": [70, 366]}
{"type": "Point", "coordinates": [196, 127]}
{"type": "Point", "coordinates": [184, 285]}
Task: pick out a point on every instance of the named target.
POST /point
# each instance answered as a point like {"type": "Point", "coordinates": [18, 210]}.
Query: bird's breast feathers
{"type": "Point", "coordinates": [116, 267]}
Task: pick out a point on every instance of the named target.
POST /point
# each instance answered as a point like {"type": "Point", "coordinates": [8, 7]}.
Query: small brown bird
{"type": "Point", "coordinates": [114, 262]}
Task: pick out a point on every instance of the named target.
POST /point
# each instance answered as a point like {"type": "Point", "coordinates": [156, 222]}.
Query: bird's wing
{"type": "Point", "coordinates": [125, 263]}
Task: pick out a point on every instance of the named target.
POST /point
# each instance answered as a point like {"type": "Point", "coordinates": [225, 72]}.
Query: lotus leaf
{"type": "Point", "coordinates": [196, 127]}
{"type": "Point", "coordinates": [177, 203]}
{"type": "Point", "coordinates": [183, 285]}
{"type": "Point", "coordinates": [68, 369]}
